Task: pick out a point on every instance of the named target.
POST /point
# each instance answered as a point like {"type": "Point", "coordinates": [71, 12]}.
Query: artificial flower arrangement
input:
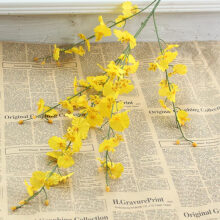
{"type": "Point", "coordinates": [103, 107]}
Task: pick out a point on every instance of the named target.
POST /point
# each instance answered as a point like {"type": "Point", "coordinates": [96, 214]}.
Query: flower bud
{"type": "Point", "coordinates": [50, 121]}
{"type": "Point", "coordinates": [20, 122]}
{"type": "Point", "coordinates": [46, 202]}
{"type": "Point", "coordinates": [13, 208]}
{"type": "Point", "coordinates": [107, 189]}
{"type": "Point", "coordinates": [194, 144]}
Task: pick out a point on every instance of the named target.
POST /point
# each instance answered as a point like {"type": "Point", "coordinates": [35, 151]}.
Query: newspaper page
{"type": "Point", "coordinates": [161, 180]}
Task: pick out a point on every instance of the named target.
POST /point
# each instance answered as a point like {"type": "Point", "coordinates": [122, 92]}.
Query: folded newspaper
{"type": "Point", "coordinates": [161, 180]}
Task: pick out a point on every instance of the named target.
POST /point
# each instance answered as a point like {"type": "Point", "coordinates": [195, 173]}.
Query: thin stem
{"type": "Point", "coordinates": [45, 193]}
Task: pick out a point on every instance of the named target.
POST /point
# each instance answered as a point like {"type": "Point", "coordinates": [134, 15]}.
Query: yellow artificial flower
{"type": "Point", "coordinates": [110, 89]}
{"type": "Point", "coordinates": [56, 52]}
{"type": "Point", "coordinates": [83, 37]}
{"type": "Point", "coordinates": [40, 105]}
{"type": "Point", "coordinates": [113, 70]}
{"type": "Point", "coordinates": [67, 105]}
{"type": "Point", "coordinates": [114, 170]}
{"type": "Point", "coordinates": [40, 179]}
{"type": "Point", "coordinates": [107, 145]}
{"type": "Point", "coordinates": [182, 117]}
{"type": "Point", "coordinates": [72, 135]}
{"type": "Point", "coordinates": [57, 143]}
{"type": "Point", "coordinates": [81, 126]}
{"type": "Point", "coordinates": [164, 60]}
{"type": "Point", "coordinates": [101, 30]}
{"type": "Point", "coordinates": [64, 178]}
{"type": "Point", "coordinates": [79, 102]}
{"type": "Point", "coordinates": [169, 93]}
{"type": "Point", "coordinates": [125, 36]}
{"type": "Point", "coordinates": [66, 159]}
{"type": "Point", "coordinates": [124, 86]}
{"type": "Point", "coordinates": [171, 46]}
{"type": "Point", "coordinates": [29, 188]}
{"type": "Point", "coordinates": [51, 112]}
{"type": "Point", "coordinates": [152, 66]}
{"type": "Point", "coordinates": [163, 105]}
{"type": "Point", "coordinates": [97, 82]}
{"type": "Point", "coordinates": [131, 68]}
{"type": "Point", "coordinates": [83, 83]}
{"type": "Point", "coordinates": [128, 9]}
{"type": "Point", "coordinates": [119, 121]}
{"type": "Point", "coordinates": [120, 19]}
{"type": "Point", "coordinates": [95, 99]}
{"type": "Point", "coordinates": [105, 106]}
{"type": "Point", "coordinates": [179, 69]}
{"type": "Point", "coordinates": [93, 117]}
{"type": "Point", "coordinates": [76, 50]}
{"type": "Point", "coordinates": [110, 144]}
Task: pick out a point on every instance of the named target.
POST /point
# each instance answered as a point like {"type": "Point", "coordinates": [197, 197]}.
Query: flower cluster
{"type": "Point", "coordinates": [167, 89]}
{"type": "Point", "coordinates": [101, 106]}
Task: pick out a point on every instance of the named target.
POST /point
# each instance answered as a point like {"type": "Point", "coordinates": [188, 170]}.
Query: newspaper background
{"type": "Point", "coordinates": [161, 180]}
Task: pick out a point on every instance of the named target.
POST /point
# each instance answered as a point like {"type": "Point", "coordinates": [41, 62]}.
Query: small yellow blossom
{"type": "Point", "coordinates": [93, 117]}
{"type": "Point", "coordinates": [177, 142]}
{"type": "Point", "coordinates": [119, 121]}
{"type": "Point", "coordinates": [64, 178]}
{"type": "Point", "coordinates": [81, 126]}
{"type": "Point", "coordinates": [76, 50]}
{"type": "Point", "coordinates": [182, 117]}
{"type": "Point", "coordinates": [101, 30]}
{"type": "Point", "coordinates": [50, 112]}
{"type": "Point", "coordinates": [97, 82]}
{"type": "Point", "coordinates": [163, 105]}
{"type": "Point", "coordinates": [113, 70]}
{"type": "Point", "coordinates": [171, 46]}
{"type": "Point", "coordinates": [40, 105]}
{"type": "Point", "coordinates": [83, 37]}
{"type": "Point", "coordinates": [152, 66]}
{"type": "Point", "coordinates": [105, 106]}
{"type": "Point", "coordinates": [57, 143]}
{"type": "Point", "coordinates": [29, 188]}
{"type": "Point", "coordinates": [114, 169]}
{"type": "Point", "coordinates": [65, 160]}
{"type": "Point", "coordinates": [128, 9]}
{"type": "Point", "coordinates": [67, 105]}
{"type": "Point", "coordinates": [179, 69]}
{"type": "Point", "coordinates": [108, 145]}
{"type": "Point", "coordinates": [164, 60]}
{"type": "Point", "coordinates": [56, 53]}
{"type": "Point", "coordinates": [120, 19]}
{"type": "Point", "coordinates": [168, 91]}
{"type": "Point", "coordinates": [125, 36]}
